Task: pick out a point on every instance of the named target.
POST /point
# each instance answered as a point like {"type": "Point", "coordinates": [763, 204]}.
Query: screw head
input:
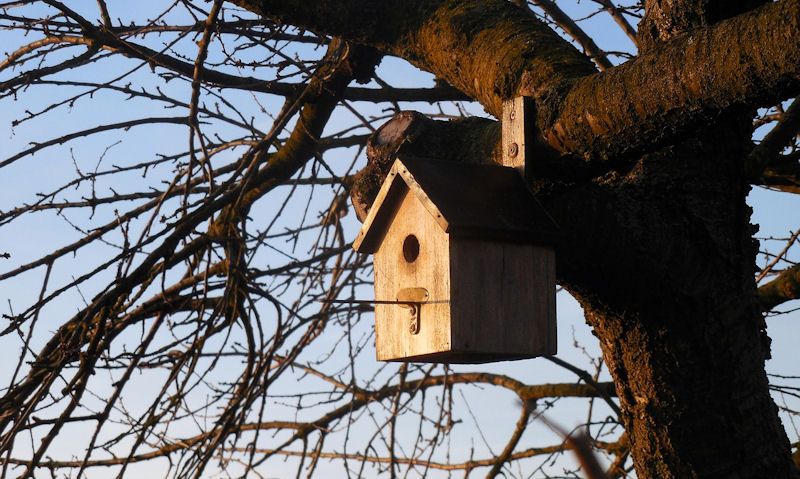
{"type": "Point", "coordinates": [413, 323]}
{"type": "Point", "coordinates": [513, 150]}
{"type": "Point", "coordinates": [512, 114]}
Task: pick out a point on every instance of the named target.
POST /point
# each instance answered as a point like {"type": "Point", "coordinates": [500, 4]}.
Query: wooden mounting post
{"type": "Point", "coordinates": [517, 138]}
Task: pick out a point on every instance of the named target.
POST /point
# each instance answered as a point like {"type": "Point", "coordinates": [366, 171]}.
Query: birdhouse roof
{"type": "Point", "coordinates": [466, 200]}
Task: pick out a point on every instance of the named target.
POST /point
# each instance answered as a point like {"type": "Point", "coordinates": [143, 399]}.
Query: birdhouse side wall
{"type": "Point", "coordinates": [503, 298]}
{"type": "Point", "coordinates": [395, 269]}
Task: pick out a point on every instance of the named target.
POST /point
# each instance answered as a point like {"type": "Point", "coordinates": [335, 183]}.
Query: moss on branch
{"type": "Point", "coordinates": [491, 52]}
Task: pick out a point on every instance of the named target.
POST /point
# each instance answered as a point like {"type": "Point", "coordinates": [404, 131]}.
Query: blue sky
{"type": "Point", "coordinates": [776, 213]}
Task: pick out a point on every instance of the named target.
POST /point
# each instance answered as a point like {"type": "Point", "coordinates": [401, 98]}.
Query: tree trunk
{"type": "Point", "coordinates": [693, 406]}
{"type": "Point", "coordinates": [671, 297]}
{"type": "Point", "coordinates": [678, 318]}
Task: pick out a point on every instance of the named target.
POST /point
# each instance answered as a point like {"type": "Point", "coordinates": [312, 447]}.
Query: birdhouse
{"type": "Point", "coordinates": [464, 265]}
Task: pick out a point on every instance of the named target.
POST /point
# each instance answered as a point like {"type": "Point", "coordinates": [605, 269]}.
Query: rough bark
{"type": "Point", "coordinates": [688, 360]}
{"type": "Point", "coordinates": [665, 19]}
{"type": "Point", "coordinates": [669, 293]}
{"type": "Point", "coordinates": [663, 94]}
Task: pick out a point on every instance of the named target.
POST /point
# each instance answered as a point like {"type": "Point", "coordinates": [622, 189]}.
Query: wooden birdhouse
{"type": "Point", "coordinates": [464, 265]}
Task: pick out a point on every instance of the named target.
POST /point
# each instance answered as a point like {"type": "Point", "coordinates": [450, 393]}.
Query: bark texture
{"type": "Point", "coordinates": [687, 347]}
{"type": "Point", "coordinates": [668, 289]}
{"type": "Point", "coordinates": [491, 52]}
{"type": "Point", "coordinates": [665, 19]}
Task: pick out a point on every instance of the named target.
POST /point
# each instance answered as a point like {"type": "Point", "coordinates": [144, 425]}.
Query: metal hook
{"type": "Point", "coordinates": [414, 297]}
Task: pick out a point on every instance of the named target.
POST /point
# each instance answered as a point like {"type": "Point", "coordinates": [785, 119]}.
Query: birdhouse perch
{"type": "Point", "coordinates": [464, 264]}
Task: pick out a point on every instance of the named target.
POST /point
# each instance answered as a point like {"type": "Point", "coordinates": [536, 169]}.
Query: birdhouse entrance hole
{"type": "Point", "coordinates": [410, 248]}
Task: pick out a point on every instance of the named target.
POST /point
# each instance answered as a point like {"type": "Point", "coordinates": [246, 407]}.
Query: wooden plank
{"type": "Point", "coordinates": [517, 142]}
{"type": "Point", "coordinates": [422, 195]}
{"type": "Point", "coordinates": [371, 232]}
{"type": "Point", "coordinates": [502, 298]}
{"type": "Point", "coordinates": [428, 269]}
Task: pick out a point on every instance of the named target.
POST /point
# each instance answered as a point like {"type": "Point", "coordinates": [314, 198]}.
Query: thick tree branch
{"type": "Point", "coordinates": [489, 52]}
{"type": "Point", "coordinates": [665, 20]}
{"type": "Point", "coordinates": [486, 49]}
{"type": "Point", "coordinates": [775, 141]}
{"type": "Point", "coordinates": [785, 287]}
{"type": "Point", "coordinates": [663, 94]}
{"type": "Point", "coordinates": [783, 173]}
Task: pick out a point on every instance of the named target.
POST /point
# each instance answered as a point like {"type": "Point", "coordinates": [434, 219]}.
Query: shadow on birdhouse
{"type": "Point", "coordinates": [464, 265]}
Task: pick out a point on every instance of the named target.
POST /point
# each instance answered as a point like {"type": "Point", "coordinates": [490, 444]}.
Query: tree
{"type": "Point", "coordinates": [645, 166]}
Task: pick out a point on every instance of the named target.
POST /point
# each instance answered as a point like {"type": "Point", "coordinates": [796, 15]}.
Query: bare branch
{"type": "Point", "coordinates": [785, 287]}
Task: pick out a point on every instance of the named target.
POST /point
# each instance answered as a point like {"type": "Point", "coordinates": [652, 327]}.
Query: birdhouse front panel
{"type": "Point", "coordinates": [412, 264]}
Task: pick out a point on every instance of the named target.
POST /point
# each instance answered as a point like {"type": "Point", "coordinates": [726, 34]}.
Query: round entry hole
{"type": "Point", "coordinates": [410, 248]}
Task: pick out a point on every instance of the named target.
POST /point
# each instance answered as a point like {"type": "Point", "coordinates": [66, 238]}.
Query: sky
{"type": "Point", "coordinates": [776, 213]}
